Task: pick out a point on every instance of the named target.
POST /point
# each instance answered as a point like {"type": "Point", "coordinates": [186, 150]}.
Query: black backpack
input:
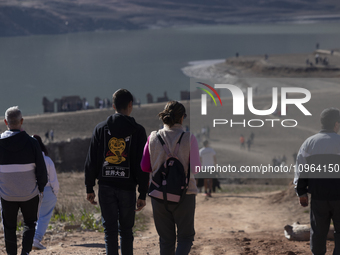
{"type": "Point", "coordinates": [170, 183]}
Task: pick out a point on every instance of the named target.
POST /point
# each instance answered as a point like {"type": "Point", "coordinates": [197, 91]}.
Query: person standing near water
{"type": "Point", "coordinates": [114, 158]}
{"type": "Point", "coordinates": [181, 215]}
{"type": "Point", "coordinates": [321, 151]}
{"type": "Point", "coordinates": [49, 200]}
{"type": "Point", "coordinates": [23, 177]}
{"type": "Point", "coordinates": [208, 159]}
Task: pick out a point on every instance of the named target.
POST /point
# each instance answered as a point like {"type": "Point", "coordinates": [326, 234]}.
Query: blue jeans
{"type": "Point", "coordinates": [45, 213]}
{"type": "Point", "coordinates": [118, 215]}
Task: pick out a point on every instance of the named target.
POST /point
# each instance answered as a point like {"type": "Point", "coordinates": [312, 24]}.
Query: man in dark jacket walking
{"type": "Point", "coordinates": [114, 158]}
{"type": "Point", "coordinates": [317, 172]}
{"type": "Point", "coordinates": [23, 177]}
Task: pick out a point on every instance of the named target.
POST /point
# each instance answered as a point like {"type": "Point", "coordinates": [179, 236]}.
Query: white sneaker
{"type": "Point", "coordinates": [37, 245]}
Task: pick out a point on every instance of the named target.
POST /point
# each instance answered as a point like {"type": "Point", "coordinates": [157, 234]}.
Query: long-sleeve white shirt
{"type": "Point", "coordinates": [52, 175]}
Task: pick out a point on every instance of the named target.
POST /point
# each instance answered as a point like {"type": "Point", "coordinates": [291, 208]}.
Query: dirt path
{"type": "Point", "coordinates": [227, 224]}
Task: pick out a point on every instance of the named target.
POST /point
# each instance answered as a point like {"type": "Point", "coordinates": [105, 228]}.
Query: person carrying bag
{"type": "Point", "coordinates": [179, 212]}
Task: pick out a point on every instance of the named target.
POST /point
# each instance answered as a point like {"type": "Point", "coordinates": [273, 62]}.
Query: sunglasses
{"type": "Point", "coordinates": [185, 115]}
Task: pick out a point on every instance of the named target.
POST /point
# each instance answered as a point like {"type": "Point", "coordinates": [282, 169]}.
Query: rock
{"type": "Point", "coordinates": [98, 218]}
{"type": "Point", "coordinates": [72, 227]}
{"type": "Point", "coordinates": [301, 232]}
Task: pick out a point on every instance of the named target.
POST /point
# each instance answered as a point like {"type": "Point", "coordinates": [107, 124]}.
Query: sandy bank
{"type": "Point", "coordinates": [289, 66]}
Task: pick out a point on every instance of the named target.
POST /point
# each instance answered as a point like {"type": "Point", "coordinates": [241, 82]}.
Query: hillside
{"type": "Point", "coordinates": [60, 16]}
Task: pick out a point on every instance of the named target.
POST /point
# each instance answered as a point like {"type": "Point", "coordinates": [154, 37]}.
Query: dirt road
{"type": "Point", "coordinates": [230, 224]}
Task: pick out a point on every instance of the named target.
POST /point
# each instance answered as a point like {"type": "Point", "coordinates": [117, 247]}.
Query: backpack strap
{"type": "Point", "coordinates": [167, 151]}
{"type": "Point", "coordinates": [164, 145]}
{"type": "Point", "coordinates": [186, 188]}
{"type": "Point", "coordinates": [188, 174]}
{"type": "Point", "coordinates": [177, 145]}
{"type": "Point", "coordinates": [183, 195]}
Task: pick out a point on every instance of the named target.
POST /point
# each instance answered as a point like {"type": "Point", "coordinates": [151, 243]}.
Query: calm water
{"type": "Point", "coordinates": [97, 63]}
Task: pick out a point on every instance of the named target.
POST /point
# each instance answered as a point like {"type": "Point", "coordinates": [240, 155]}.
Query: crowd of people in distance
{"type": "Point", "coordinates": [249, 141]}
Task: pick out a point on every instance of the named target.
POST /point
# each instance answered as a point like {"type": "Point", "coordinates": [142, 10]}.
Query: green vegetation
{"type": "Point", "coordinates": [63, 217]}
{"type": "Point", "coordinates": [83, 217]}
{"type": "Point", "coordinates": [140, 222]}
{"type": "Point", "coordinates": [88, 221]}
{"type": "Point", "coordinates": [20, 226]}
{"type": "Point", "coordinates": [92, 221]}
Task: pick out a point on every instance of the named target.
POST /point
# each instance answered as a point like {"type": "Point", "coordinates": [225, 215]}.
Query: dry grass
{"type": "Point", "coordinates": [72, 195]}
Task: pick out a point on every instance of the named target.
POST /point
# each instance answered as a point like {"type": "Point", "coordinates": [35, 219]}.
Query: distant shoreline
{"type": "Point", "coordinates": [286, 65]}
{"type": "Point", "coordinates": [317, 19]}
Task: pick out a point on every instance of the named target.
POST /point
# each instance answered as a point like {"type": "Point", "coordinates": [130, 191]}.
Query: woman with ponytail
{"type": "Point", "coordinates": [180, 216]}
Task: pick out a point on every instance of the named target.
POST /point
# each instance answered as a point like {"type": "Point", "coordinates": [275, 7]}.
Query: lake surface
{"type": "Point", "coordinates": [144, 61]}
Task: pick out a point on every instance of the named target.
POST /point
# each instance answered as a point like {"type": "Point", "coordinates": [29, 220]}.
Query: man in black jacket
{"type": "Point", "coordinates": [114, 158]}
{"type": "Point", "coordinates": [23, 177]}
{"type": "Point", "coordinates": [317, 172]}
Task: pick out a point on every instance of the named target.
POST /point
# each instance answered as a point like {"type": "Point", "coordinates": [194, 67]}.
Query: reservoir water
{"type": "Point", "coordinates": [144, 61]}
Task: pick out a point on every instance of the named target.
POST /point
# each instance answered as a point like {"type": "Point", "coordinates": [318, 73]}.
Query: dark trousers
{"type": "Point", "coordinates": [118, 215]}
{"type": "Point", "coordinates": [321, 214]}
{"type": "Point", "coordinates": [29, 210]}
{"type": "Point", "coordinates": [180, 216]}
